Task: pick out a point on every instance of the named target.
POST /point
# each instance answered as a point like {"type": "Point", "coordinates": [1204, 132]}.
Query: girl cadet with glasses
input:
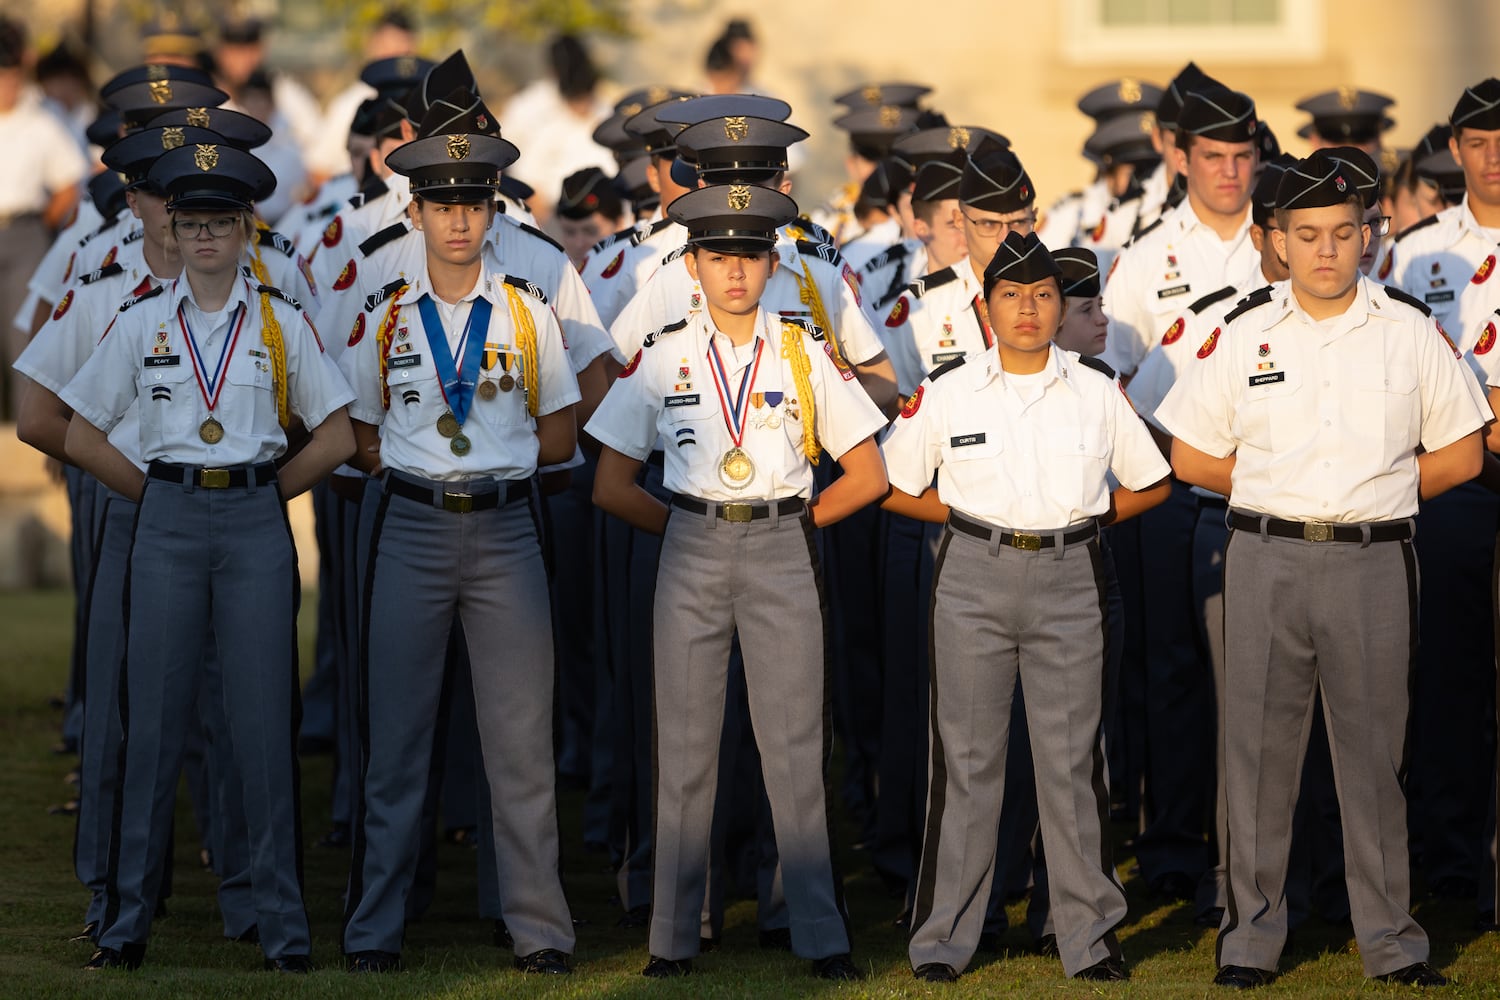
{"type": "Point", "coordinates": [222, 370]}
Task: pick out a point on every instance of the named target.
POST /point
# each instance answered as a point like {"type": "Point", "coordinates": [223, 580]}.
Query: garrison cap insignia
{"type": "Point", "coordinates": [198, 117]}
{"type": "Point", "coordinates": [735, 128]}
{"type": "Point", "coordinates": [958, 137]}
{"type": "Point", "coordinates": [171, 138]}
{"type": "Point", "coordinates": [207, 157]}
{"type": "Point", "coordinates": [739, 197]}
{"type": "Point", "coordinates": [458, 146]}
{"type": "Point", "coordinates": [1130, 90]}
{"type": "Point", "coordinates": [161, 91]}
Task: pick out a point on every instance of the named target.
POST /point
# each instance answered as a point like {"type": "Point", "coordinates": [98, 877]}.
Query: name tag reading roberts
{"type": "Point", "coordinates": [1170, 291]}
{"type": "Point", "coordinates": [961, 440]}
{"type": "Point", "coordinates": [671, 401]}
{"type": "Point", "coordinates": [404, 361]}
{"type": "Point", "coordinates": [1267, 378]}
{"type": "Point", "coordinates": [163, 361]}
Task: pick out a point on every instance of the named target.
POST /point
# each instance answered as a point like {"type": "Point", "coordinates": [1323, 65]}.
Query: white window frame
{"type": "Point", "coordinates": [1298, 36]}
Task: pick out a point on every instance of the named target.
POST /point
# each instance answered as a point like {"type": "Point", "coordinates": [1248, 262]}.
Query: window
{"type": "Point", "coordinates": [1221, 31]}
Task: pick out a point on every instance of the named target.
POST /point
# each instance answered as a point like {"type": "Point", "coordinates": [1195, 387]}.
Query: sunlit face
{"type": "Point", "coordinates": [1084, 327]}
{"type": "Point", "coordinates": [659, 176]}
{"type": "Point", "coordinates": [904, 213]}
{"type": "Point", "coordinates": [1478, 152]}
{"type": "Point", "coordinates": [1375, 221]}
{"type": "Point", "coordinates": [578, 235]}
{"type": "Point", "coordinates": [1025, 318]}
{"type": "Point", "coordinates": [732, 282]}
{"type": "Point", "coordinates": [1322, 248]}
{"type": "Point", "coordinates": [1272, 267]}
{"type": "Point", "coordinates": [453, 234]}
{"type": "Point", "coordinates": [151, 209]}
{"type": "Point", "coordinates": [984, 231]}
{"type": "Point", "coordinates": [1220, 175]}
{"type": "Point", "coordinates": [944, 235]}
{"type": "Point", "coordinates": [1408, 207]}
{"type": "Point", "coordinates": [210, 241]}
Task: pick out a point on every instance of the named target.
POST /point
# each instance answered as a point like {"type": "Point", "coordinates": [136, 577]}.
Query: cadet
{"type": "Point", "coordinates": [587, 209]}
{"type": "Point", "coordinates": [738, 556]}
{"type": "Point", "coordinates": [1346, 117]}
{"type": "Point", "coordinates": [477, 364]}
{"type": "Point", "coordinates": [212, 550]}
{"type": "Point", "coordinates": [1320, 591]}
{"type": "Point", "coordinates": [1018, 591]}
{"type": "Point", "coordinates": [878, 115]}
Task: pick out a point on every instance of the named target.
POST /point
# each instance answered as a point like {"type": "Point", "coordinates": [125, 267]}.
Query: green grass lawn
{"type": "Point", "coordinates": [450, 955]}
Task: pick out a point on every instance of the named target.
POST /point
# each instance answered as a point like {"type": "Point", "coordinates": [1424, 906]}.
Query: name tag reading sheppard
{"type": "Point", "coordinates": [1267, 378]}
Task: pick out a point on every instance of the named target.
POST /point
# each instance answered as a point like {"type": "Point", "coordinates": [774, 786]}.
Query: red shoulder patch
{"type": "Point", "coordinates": [358, 333]}
{"type": "Point", "coordinates": [914, 403]}
{"type": "Point", "coordinates": [614, 266]}
{"type": "Point", "coordinates": [1449, 341]}
{"type": "Point", "coordinates": [1174, 332]}
{"type": "Point", "coordinates": [1485, 270]}
{"type": "Point", "coordinates": [845, 369]}
{"type": "Point", "coordinates": [1209, 344]}
{"type": "Point", "coordinates": [333, 233]}
{"type": "Point", "coordinates": [629, 369]}
{"type": "Point", "coordinates": [62, 307]}
{"type": "Point", "coordinates": [109, 258]}
{"type": "Point", "coordinates": [1486, 339]}
{"type": "Point", "coordinates": [72, 259]}
{"type": "Point", "coordinates": [852, 280]}
{"type": "Point", "coordinates": [1097, 233]}
{"type": "Point", "coordinates": [346, 276]}
{"type": "Point", "coordinates": [898, 313]}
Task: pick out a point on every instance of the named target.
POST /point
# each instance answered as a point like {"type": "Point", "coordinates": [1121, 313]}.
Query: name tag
{"type": "Point", "coordinates": [1438, 296]}
{"type": "Point", "coordinates": [1169, 292]}
{"type": "Point", "coordinates": [163, 361]}
{"type": "Point", "coordinates": [405, 361]}
{"type": "Point", "coordinates": [1267, 378]}
{"type": "Point", "coordinates": [942, 359]}
{"type": "Point", "coordinates": [672, 401]}
{"type": "Point", "coordinates": [961, 440]}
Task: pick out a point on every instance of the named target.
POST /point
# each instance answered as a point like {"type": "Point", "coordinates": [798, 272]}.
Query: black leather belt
{"type": "Point", "coordinates": [1212, 503]}
{"type": "Point", "coordinates": [457, 501]}
{"type": "Point", "coordinates": [1320, 531]}
{"type": "Point", "coordinates": [1026, 541]}
{"type": "Point", "coordinates": [214, 479]}
{"type": "Point", "coordinates": [739, 513]}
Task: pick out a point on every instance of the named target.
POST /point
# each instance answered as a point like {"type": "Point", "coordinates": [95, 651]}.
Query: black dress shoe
{"type": "Point", "coordinates": [989, 942]}
{"type": "Point", "coordinates": [1108, 970]}
{"type": "Point", "coordinates": [251, 935]}
{"type": "Point", "coordinates": [336, 837]}
{"type": "Point", "coordinates": [547, 962]}
{"type": "Point", "coordinates": [374, 961]}
{"type": "Point", "coordinates": [776, 938]}
{"type": "Point", "coordinates": [1178, 886]}
{"type": "Point", "coordinates": [707, 944]}
{"type": "Point", "coordinates": [935, 972]}
{"type": "Point", "coordinates": [128, 958]}
{"type": "Point", "coordinates": [1046, 946]}
{"type": "Point", "coordinates": [667, 968]}
{"type": "Point", "coordinates": [839, 968]}
{"type": "Point", "coordinates": [299, 965]}
{"type": "Point", "coordinates": [89, 933]}
{"type": "Point", "coordinates": [1418, 974]}
{"type": "Point", "coordinates": [1243, 977]}
{"type": "Point", "coordinates": [502, 936]}
{"type": "Point", "coordinates": [635, 917]}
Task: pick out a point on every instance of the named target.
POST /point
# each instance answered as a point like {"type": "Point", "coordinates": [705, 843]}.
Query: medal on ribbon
{"type": "Point", "coordinates": [736, 469]}
{"type": "Point", "coordinates": [456, 378]}
{"type": "Point", "coordinates": [211, 431]}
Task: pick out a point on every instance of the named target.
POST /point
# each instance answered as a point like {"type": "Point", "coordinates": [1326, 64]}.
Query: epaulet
{"type": "Point", "coordinates": [674, 255]}
{"type": "Point", "coordinates": [107, 271]}
{"type": "Point", "coordinates": [394, 231]}
{"type": "Point", "coordinates": [375, 298]}
{"type": "Point", "coordinates": [141, 297]}
{"type": "Point", "coordinates": [1431, 220]}
{"type": "Point", "coordinates": [937, 279]}
{"type": "Point", "coordinates": [642, 235]}
{"type": "Point", "coordinates": [824, 251]}
{"type": "Point", "coordinates": [103, 227]}
{"type": "Point", "coordinates": [526, 286]}
{"type": "Point", "coordinates": [812, 329]}
{"type": "Point", "coordinates": [656, 335]}
{"type": "Point", "coordinates": [1210, 299]}
{"type": "Point", "coordinates": [356, 200]}
{"type": "Point", "coordinates": [1254, 300]}
{"type": "Point", "coordinates": [278, 293]}
{"type": "Point", "coordinates": [534, 231]}
{"type": "Point", "coordinates": [628, 233]}
{"type": "Point", "coordinates": [280, 242]}
{"type": "Point", "coordinates": [1101, 367]}
{"type": "Point", "coordinates": [894, 253]}
{"type": "Point", "coordinates": [1400, 296]}
{"type": "Point", "coordinates": [327, 210]}
{"type": "Point", "coordinates": [1132, 241]}
{"type": "Point", "coordinates": [944, 369]}
{"type": "Point", "coordinates": [135, 235]}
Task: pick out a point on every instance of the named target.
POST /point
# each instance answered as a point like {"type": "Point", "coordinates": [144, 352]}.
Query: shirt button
{"type": "Point", "coordinates": [1326, 383]}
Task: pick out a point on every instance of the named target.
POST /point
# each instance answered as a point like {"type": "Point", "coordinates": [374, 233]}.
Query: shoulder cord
{"type": "Point", "coordinates": [270, 332]}
{"type": "Point", "coordinates": [793, 351]}
{"type": "Point", "coordinates": [520, 317]}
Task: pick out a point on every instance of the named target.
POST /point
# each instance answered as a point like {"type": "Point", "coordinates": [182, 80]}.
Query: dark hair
{"type": "Point", "coordinates": [1355, 199]}
{"type": "Point", "coordinates": [399, 18]}
{"type": "Point", "coordinates": [570, 62]}
{"type": "Point", "coordinates": [12, 42]}
{"type": "Point", "coordinates": [62, 61]}
{"type": "Point", "coordinates": [738, 28]}
{"type": "Point", "coordinates": [926, 210]}
{"type": "Point", "coordinates": [718, 59]}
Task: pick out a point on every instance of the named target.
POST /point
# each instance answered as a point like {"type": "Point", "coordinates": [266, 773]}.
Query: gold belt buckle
{"type": "Point", "coordinates": [458, 503]}
{"type": "Point", "coordinates": [1025, 542]}
{"type": "Point", "coordinates": [1317, 531]}
{"type": "Point", "coordinates": [737, 513]}
{"type": "Point", "coordinates": [213, 479]}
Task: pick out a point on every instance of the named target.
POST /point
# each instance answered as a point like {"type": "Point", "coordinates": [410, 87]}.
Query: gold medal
{"type": "Point", "coordinates": [447, 425]}
{"type": "Point", "coordinates": [459, 445]}
{"type": "Point", "coordinates": [773, 420]}
{"type": "Point", "coordinates": [487, 389]}
{"type": "Point", "coordinates": [735, 469]}
{"type": "Point", "coordinates": [507, 382]}
{"type": "Point", "coordinates": [211, 431]}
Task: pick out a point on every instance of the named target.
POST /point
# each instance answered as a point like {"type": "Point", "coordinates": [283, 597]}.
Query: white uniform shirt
{"type": "Point", "coordinates": [670, 391]}
{"type": "Point", "coordinates": [1188, 333]}
{"type": "Point", "coordinates": [99, 248]}
{"type": "Point", "coordinates": [501, 432]}
{"type": "Point", "coordinates": [1324, 418]}
{"type": "Point", "coordinates": [41, 158]}
{"type": "Point", "coordinates": [147, 356]}
{"type": "Point", "coordinates": [59, 264]}
{"type": "Point", "coordinates": [871, 243]}
{"type": "Point", "coordinates": [615, 272]}
{"type": "Point", "coordinates": [1153, 279]}
{"type": "Point", "coordinates": [885, 276]}
{"type": "Point", "coordinates": [307, 223]}
{"type": "Point", "coordinates": [1027, 453]}
{"type": "Point", "coordinates": [939, 317]}
{"type": "Point", "coordinates": [337, 258]}
{"type": "Point", "coordinates": [671, 294]}
{"type": "Point", "coordinates": [1450, 263]}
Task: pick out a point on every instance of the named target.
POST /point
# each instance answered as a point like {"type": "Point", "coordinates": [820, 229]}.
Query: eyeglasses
{"type": "Point", "coordinates": [995, 227]}
{"type": "Point", "coordinates": [1380, 225]}
{"type": "Point", "coordinates": [186, 229]}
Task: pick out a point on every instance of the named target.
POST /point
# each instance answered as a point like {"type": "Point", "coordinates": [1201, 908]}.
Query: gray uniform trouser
{"type": "Point", "coordinates": [83, 498]}
{"type": "Point", "coordinates": [998, 612]}
{"type": "Point", "coordinates": [1339, 618]}
{"type": "Point", "coordinates": [223, 559]}
{"type": "Point", "coordinates": [426, 565]}
{"type": "Point", "coordinates": [762, 578]}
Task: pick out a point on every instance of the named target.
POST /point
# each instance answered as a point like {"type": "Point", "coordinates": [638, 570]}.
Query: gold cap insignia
{"type": "Point", "coordinates": [735, 128]}
{"type": "Point", "coordinates": [656, 95]}
{"type": "Point", "coordinates": [890, 117]}
{"type": "Point", "coordinates": [156, 71]}
{"type": "Point", "coordinates": [872, 94]}
{"type": "Point", "coordinates": [458, 146]}
{"type": "Point", "coordinates": [630, 110]}
{"type": "Point", "coordinates": [206, 157]}
{"type": "Point", "coordinates": [406, 67]}
{"type": "Point", "coordinates": [1148, 122]}
{"type": "Point", "coordinates": [198, 117]}
{"type": "Point", "coordinates": [739, 197]}
{"type": "Point", "coordinates": [171, 138]}
{"type": "Point", "coordinates": [161, 91]}
{"type": "Point", "coordinates": [1348, 98]}
{"type": "Point", "coordinates": [958, 137]}
{"type": "Point", "coordinates": [1130, 90]}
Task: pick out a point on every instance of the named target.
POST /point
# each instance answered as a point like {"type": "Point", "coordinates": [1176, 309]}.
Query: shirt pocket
{"type": "Point", "coordinates": [248, 402]}
{"type": "Point", "coordinates": [1387, 405]}
{"type": "Point", "coordinates": [1273, 415]}
{"type": "Point", "coordinates": [973, 465]}
{"type": "Point", "coordinates": [167, 395]}
{"type": "Point", "coordinates": [1077, 462]}
{"type": "Point", "coordinates": [691, 426]}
